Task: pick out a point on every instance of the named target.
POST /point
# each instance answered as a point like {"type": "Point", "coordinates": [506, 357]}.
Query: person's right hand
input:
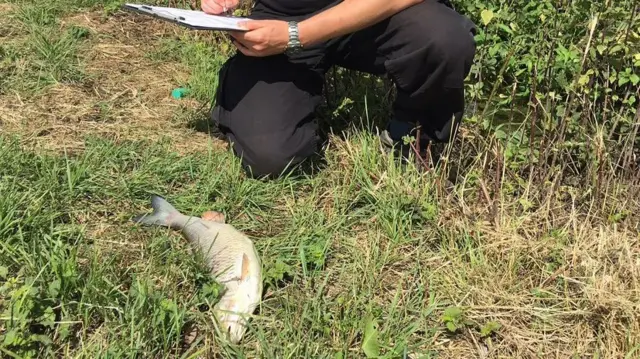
{"type": "Point", "coordinates": [217, 7]}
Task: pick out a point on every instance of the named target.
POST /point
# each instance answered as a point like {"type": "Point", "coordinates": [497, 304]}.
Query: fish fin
{"type": "Point", "coordinates": [213, 216]}
{"type": "Point", "coordinates": [245, 267]}
{"type": "Point", "coordinates": [162, 214]}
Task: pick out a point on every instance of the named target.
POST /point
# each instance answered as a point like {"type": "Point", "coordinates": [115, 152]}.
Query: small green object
{"type": "Point", "coordinates": [370, 344]}
{"type": "Point", "coordinates": [179, 93]}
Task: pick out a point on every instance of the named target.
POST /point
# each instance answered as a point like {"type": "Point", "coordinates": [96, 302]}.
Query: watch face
{"type": "Point", "coordinates": [292, 50]}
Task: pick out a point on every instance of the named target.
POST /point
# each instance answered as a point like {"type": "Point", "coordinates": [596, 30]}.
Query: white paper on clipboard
{"type": "Point", "coordinates": [190, 18]}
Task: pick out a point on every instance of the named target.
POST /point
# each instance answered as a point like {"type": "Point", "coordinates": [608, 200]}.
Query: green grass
{"type": "Point", "coordinates": [365, 239]}
{"type": "Point", "coordinates": [533, 253]}
{"type": "Point", "coordinates": [138, 289]}
{"type": "Point", "coordinates": [41, 54]}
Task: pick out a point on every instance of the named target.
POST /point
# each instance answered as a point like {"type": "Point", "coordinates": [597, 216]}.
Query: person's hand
{"type": "Point", "coordinates": [217, 7]}
{"type": "Point", "coordinates": [264, 38]}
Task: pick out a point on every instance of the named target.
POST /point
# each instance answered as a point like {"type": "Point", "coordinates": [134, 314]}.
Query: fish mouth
{"type": "Point", "coordinates": [233, 325]}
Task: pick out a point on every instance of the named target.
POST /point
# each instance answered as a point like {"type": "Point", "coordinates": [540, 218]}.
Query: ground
{"type": "Point", "coordinates": [367, 256]}
{"type": "Point", "coordinates": [124, 95]}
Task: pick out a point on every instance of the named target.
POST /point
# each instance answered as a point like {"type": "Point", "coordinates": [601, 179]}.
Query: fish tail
{"type": "Point", "coordinates": [163, 213]}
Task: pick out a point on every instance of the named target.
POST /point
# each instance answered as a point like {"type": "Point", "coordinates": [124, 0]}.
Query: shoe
{"type": "Point", "coordinates": [392, 138]}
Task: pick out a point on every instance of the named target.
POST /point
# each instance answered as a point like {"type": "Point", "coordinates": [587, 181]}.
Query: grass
{"type": "Point", "coordinates": [519, 258]}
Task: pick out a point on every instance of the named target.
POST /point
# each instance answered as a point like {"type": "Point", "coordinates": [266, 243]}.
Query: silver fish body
{"type": "Point", "coordinates": [231, 256]}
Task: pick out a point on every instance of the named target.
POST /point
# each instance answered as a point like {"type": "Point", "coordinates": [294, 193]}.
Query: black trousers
{"type": "Point", "coordinates": [266, 107]}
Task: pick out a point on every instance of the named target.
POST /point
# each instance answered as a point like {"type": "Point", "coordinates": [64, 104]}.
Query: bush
{"type": "Point", "coordinates": [568, 72]}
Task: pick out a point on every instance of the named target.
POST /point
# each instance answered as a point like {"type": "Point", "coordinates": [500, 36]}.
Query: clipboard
{"type": "Point", "coordinates": [195, 20]}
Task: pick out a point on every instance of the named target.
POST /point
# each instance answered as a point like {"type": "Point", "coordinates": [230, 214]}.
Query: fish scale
{"type": "Point", "coordinates": [231, 256]}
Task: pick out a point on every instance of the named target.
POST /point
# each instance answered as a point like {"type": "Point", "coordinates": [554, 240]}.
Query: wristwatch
{"type": "Point", "coordinates": [294, 46]}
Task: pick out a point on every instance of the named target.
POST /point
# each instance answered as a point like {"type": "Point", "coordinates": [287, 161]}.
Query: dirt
{"type": "Point", "coordinates": [5, 8]}
{"type": "Point", "coordinates": [126, 96]}
{"type": "Point", "coordinates": [7, 31]}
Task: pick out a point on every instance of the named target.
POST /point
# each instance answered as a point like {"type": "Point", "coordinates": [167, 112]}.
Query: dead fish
{"type": "Point", "coordinates": [231, 255]}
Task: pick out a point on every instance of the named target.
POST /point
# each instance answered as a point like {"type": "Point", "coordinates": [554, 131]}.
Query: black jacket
{"type": "Point", "coordinates": [296, 7]}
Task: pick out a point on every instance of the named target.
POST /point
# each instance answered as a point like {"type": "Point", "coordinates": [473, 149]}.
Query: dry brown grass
{"type": "Point", "coordinates": [6, 8]}
{"type": "Point", "coordinates": [125, 95]}
{"type": "Point", "coordinates": [586, 300]}
{"type": "Point", "coordinates": [561, 280]}
{"type": "Point", "coordinates": [8, 30]}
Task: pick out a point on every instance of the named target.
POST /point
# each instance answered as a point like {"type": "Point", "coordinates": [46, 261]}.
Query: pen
{"type": "Point", "coordinates": [225, 10]}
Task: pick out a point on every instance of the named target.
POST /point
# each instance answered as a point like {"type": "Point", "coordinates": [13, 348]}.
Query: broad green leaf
{"type": "Point", "coordinates": [452, 327]}
{"type": "Point", "coordinates": [584, 79]}
{"type": "Point", "coordinates": [54, 288]}
{"type": "Point", "coordinates": [10, 337]}
{"type": "Point", "coordinates": [489, 328]}
{"type": "Point", "coordinates": [455, 312]}
{"type": "Point", "coordinates": [41, 338]}
{"type": "Point", "coordinates": [4, 271]}
{"type": "Point", "coordinates": [370, 344]}
{"type": "Point", "coordinates": [64, 329]}
{"type": "Point", "coordinates": [48, 317]}
{"type": "Point", "coordinates": [615, 49]}
{"type": "Point", "coordinates": [623, 80]}
{"type": "Point", "coordinates": [634, 79]}
{"type": "Point", "coordinates": [487, 16]}
{"type": "Point", "coordinates": [601, 49]}
{"type": "Point", "coordinates": [505, 28]}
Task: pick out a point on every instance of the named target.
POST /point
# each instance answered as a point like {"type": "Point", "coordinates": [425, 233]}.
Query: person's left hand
{"type": "Point", "coordinates": [263, 38]}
